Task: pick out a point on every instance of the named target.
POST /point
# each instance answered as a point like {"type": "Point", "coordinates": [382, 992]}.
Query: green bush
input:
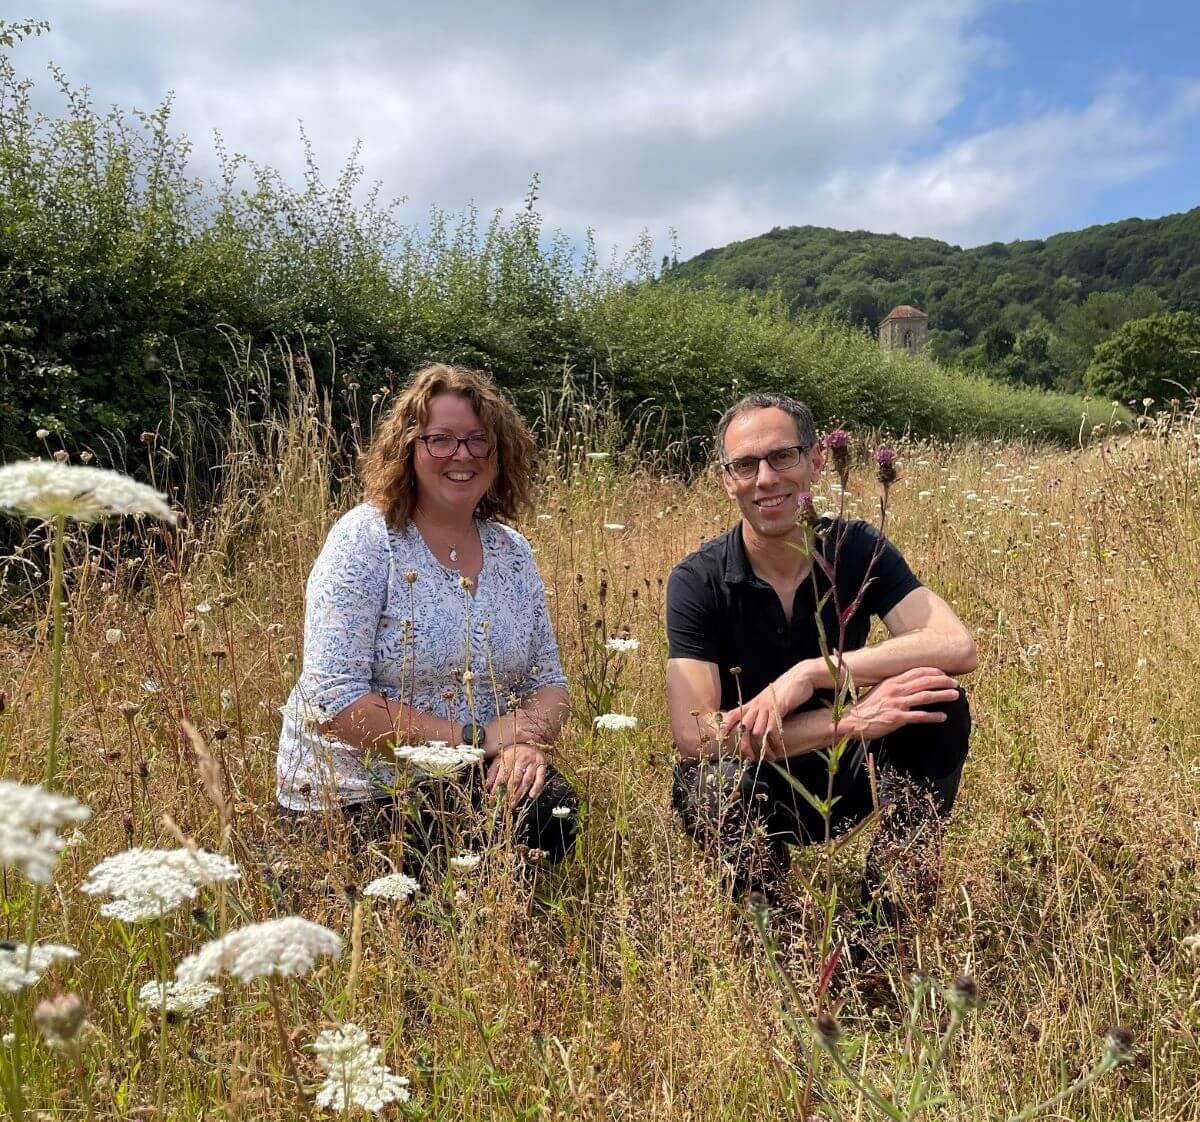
{"type": "Point", "coordinates": [1158, 357]}
{"type": "Point", "coordinates": [132, 295]}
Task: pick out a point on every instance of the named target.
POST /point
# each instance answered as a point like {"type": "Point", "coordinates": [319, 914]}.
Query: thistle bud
{"type": "Point", "coordinates": [827, 1028]}
{"type": "Point", "coordinates": [837, 443]}
{"type": "Point", "coordinates": [964, 994]}
{"type": "Point", "coordinates": [806, 511]}
{"type": "Point", "coordinates": [1118, 1045]}
{"type": "Point", "coordinates": [885, 466]}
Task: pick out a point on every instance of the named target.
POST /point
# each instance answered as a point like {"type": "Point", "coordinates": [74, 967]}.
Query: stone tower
{"type": "Point", "coordinates": [904, 328]}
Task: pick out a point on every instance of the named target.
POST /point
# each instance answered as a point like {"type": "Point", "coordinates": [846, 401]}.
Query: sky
{"type": "Point", "coordinates": [965, 120]}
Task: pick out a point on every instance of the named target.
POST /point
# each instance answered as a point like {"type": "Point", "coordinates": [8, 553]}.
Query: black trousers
{"type": "Point", "coordinates": [439, 817]}
{"type": "Point", "coordinates": [747, 814]}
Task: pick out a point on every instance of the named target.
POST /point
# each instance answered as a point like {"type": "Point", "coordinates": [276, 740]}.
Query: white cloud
{"type": "Point", "coordinates": [718, 120]}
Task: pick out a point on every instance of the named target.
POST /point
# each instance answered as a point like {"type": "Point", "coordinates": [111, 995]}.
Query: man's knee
{"type": "Point", "coordinates": [709, 794]}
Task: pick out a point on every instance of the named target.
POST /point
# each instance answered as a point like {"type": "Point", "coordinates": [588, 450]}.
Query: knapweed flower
{"type": "Point", "coordinates": [885, 466]}
{"type": "Point", "coordinates": [465, 862]}
{"type": "Point", "coordinates": [438, 759]}
{"type": "Point", "coordinates": [148, 884]}
{"type": "Point", "coordinates": [394, 886]}
{"type": "Point", "coordinates": [15, 975]}
{"type": "Point", "coordinates": [806, 511]}
{"type": "Point", "coordinates": [283, 948]}
{"type": "Point", "coordinates": [29, 817]}
{"type": "Point", "coordinates": [60, 1019]}
{"type": "Point", "coordinates": [182, 1000]}
{"type": "Point", "coordinates": [46, 490]}
{"type": "Point", "coordinates": [615, 722]}
{"type": "Point", "coordinates": [622, 646]}
{"type": "Point", "coordinates": [561, 812]}
{"type": "Point", "coordinates": [837, 443]}
{"type": "Point", "coordinates": [354, 1074]}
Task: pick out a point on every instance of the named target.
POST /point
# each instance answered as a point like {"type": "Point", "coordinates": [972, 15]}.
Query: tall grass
{"type": "Point", "coordinates": [627, 985]}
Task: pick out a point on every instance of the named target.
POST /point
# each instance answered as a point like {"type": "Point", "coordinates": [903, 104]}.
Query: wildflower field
{"type": "Point", "coordinates": [625, 985]}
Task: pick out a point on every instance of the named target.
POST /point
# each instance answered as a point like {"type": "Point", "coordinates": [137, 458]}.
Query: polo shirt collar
{"type": "Point", "coordinates": [738, 569]}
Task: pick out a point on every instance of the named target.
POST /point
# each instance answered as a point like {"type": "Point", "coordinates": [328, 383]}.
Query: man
{"type": "Point", "coordinates": [750, 694]}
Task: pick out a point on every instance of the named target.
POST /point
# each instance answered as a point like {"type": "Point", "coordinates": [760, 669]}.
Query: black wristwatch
{"type": "Point", "coordinates": [474, 735]}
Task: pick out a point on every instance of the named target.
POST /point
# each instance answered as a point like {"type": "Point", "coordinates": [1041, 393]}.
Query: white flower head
{"type": "Point", "coordinates": [615, 722]}
{"type": "Point", "coordinates": [394, 886]}
{"type": "Point", "coordinates": [29, 819]}
{"type": "Point", "coordinates": [203, 608]}
{"type": "Point", "coordinates": [285, 948]}
{"type": "Point", "coordinates": [15, 975]}
{"type": "Point", "coordinates": [614, 525]}
{"type": "Point", "coordinates": [561, 812]}
{"type": "Point", "coordinates": [599, 455]}
{"type": "Point", "coordinates": [148, 884]}
{"type": "Point", "coordinates": [354, 1074]}
{"type": "Point", "coordinates": [48, 490]}
{"type": "Point", "coordinates": [1191, 944]}
{"type": "Point", "coordinates": [466, 862]}
{"type": "Point", "coordinates": [113, 636]}
{"type": "Point", "coordinates": [182, 999]}
{"type": "Point", "coordinates": [437, 758]}
{"type": "Point", "coordinates": [621, 646]}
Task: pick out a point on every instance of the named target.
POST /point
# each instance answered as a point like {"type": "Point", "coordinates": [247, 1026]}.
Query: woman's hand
{"type": "Point", "coordinates": [521, 770]}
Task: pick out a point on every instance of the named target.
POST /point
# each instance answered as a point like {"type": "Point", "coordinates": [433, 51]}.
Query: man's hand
{"type": "Point", "coordinates": [897, 702]}
{"type": "Point", "coordinates": [762, 716]}
{"type": "Point", "coordinates": [521, 770]}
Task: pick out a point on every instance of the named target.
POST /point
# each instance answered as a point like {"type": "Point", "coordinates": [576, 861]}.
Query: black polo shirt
{"type": "Point", "coordinates": [718, 610]}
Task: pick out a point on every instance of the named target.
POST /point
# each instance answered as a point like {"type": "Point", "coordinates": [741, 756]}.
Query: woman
{"type": "Point", "coordinates": [426, 621]}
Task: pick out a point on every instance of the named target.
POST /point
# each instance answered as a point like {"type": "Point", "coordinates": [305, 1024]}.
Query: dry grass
{"type": "Point", "coordinates": [627, 986]}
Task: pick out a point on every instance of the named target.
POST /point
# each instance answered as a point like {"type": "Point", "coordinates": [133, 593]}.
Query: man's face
{"type": "Point", "coordinates": [767, 499]}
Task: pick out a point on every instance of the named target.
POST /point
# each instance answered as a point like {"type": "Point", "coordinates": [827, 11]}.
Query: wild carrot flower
{"type": "Point", "coordinates": [561, 812]}
{"type": "Point", "coordinates": [16, 974]}
{"type": "Point", "coordinates": [354, 1074]}
{"type": "Point", "coordinates": [148, 884]}
{"type": "Point", "coordinates": [41, 489]}
{"type": "Point", "coordinates": [614, 525]}
{"type": "Point", "coordinates": [615, 722]}
{"type": "Point", "coordinates": [113, 636]}
{"type": "Point", "coordinates": [29, 817]}
{"type": "Point", "coordinates": [394, 886]}
{"type": "Point", "coordinates": [621, 646]}
{"type": "Point", "coordinates": [182, 999]}
{"type": "Point", "coordinates": [60, 1020]}
{"type": "Point", "coordinates": [437, 758]}
{"type": "Point", "coordinates": [285, 948]}
{"type": "Point", "coordinates": [465, 862]}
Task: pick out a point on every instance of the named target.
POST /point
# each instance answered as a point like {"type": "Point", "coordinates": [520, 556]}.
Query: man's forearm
{"type": "Point", "coordinates": [813, 730]}
{"type": "Point", "coordinates": [868, 666]}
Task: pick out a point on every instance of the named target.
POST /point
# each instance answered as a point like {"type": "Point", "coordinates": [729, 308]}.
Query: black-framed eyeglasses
{"type": "Point", "coordinates": [780, 459]}
{"type": "Point", "coordinates": [441, 445]}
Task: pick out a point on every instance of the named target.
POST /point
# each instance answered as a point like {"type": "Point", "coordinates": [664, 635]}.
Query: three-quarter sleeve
{"type": "Point", "coordinates": [545, 666]}
{"type": "Point", "coordinates": [345, 597]}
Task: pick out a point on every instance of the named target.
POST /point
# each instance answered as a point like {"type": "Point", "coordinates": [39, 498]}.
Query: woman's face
{"type": "Point", "coordinates": [453, 483]}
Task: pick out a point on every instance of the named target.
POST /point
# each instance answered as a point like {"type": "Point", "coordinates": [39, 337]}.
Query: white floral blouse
{"type": "Point", "coordinates": [383, 615]}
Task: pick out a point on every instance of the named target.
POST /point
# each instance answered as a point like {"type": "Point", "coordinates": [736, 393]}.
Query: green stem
{"type": "Point", "coordinates": [1101, 1069]}
{"type": "Point", "coordinates": [915, 1103]}
{"type": "Point", "coordinates": [162, 1016]}
{"type": "Point", "coordinates": [56, 650]}
{"type": "Point", "coordinates": [286, 1045]}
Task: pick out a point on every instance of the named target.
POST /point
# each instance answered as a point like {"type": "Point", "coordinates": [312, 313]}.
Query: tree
{"type": "Point", "coordinates": [1082, 328]}
{"type": "Point", "coordinates": [943, 346]}
{"type": "Point", "coordinates": [1157, 357]}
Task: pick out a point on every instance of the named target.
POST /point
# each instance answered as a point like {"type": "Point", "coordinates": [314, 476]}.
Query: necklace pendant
{"type": "Point", "coordinates": [453, 553]}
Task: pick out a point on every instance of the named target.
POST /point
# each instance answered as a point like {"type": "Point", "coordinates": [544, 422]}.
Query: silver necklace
{"type": "Point", "coordinates": [453, 552]}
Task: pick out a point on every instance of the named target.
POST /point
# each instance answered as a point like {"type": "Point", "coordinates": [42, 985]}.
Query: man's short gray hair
{"type": "Point", "coordinates": [806, 428]}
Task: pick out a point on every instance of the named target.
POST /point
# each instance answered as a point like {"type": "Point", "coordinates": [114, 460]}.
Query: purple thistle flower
{"type": "Point", "coordinates": [885, 466]}
{"type": "Point", "coordinates": [806, 512]}
{"type": "Point", "coordinates": [837, 443]}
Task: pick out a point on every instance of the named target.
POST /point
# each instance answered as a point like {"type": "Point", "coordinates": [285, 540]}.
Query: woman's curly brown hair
{"type": "Point", "coordinates": [389, 481]}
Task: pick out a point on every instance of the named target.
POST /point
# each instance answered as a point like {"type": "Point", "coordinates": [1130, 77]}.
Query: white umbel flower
{"type": "Point", "coordinates": [182, 999]}
{"type": "Point", "coordinates": [15, 975]}
{"type": "Point", "coordinates": [285, 948]}
{"type": "Point", "coordinates": [394, 886]}
{"type": "Point", "coordinates": [29, 819]}
{"type": "Point", "coordinates": [148, 884]}
{"type": "Point", "coordinates": [466, 862]}
{"type": "Point", "coordinates": [561, 812]}
{"type": "Point", "coordinates": [438, 759]}
{"type": "Point", "coordinates": [354, 1074]}
{"type": "Point", "coordinates": [615, 722]}
{"type": "Point", "coordinates": [622, 646]}
{"type": "Point", "coordinates": [614, 525]}
{"type": "Point", "coordinates": [47, 490]}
